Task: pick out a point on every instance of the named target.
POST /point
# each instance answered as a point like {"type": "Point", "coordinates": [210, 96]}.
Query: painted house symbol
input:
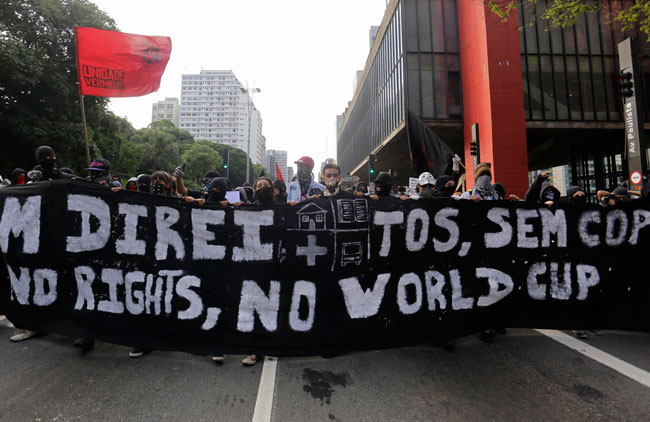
{"type": "Point", "coordinates": [311, 217]}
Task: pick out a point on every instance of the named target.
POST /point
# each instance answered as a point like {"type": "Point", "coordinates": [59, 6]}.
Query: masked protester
{"type": "Point", "coordinates": [249, 191]}
{"type": "Point", "coordinates": [161, 183]}
{"type": "Point", "coordinates": [445, 186]}
{"type": "Point", "coordinates": [132, 184]}
{"type": "Point", "coordinates": [18, 177]}
{"type": "Point", "coordinates": [280, 190]}
{"type": "Point", "coordinates": [100, 171]}
{"type": "Point", "coordinates": [383, 186]}
{"type": "Point", "coordinates": [46, 159]}
{"type": "Point", "coordinates": [263, 193]}
{"type": "Point", "coordinates": [483, 189]}
{"type": "Point", "coordinates": [609, 199]}
{"type": "Point", "coordinates": [217, 191]}
{"type": "Point", "coordinates": [427, 186]}
{"type": "Point", "coordinates": [575, 195]}
{"type": "Point", "coordinates": [304, 186]}
{"type": "Point", "coordinates": [144, 183]}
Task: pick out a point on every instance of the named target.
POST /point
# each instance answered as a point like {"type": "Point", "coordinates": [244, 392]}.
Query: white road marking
{"type": "Point", "coordinates": [264, 402]}
{"type": "Point", "coordinates": [620, 366]}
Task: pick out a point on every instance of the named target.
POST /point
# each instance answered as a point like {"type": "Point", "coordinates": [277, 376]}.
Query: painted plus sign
{"type": "Point", "coordinates": [311, 251]}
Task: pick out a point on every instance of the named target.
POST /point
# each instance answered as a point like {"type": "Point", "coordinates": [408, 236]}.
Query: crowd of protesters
{"type": "Point", "coordinates": [264, 191]}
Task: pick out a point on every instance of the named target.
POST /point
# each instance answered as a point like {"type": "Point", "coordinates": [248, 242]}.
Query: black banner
{"type": "Point", "coordinates": [324, 276]}
{"type": "Point", "coordinates": [428, 151]}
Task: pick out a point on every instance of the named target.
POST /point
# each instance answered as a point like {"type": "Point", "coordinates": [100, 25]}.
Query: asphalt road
{"type": "Point", "coordinates": [523, 376]}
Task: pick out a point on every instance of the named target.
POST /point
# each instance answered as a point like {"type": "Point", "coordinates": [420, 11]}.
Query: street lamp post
{"type": "Point", "coordinates": [250, 93]}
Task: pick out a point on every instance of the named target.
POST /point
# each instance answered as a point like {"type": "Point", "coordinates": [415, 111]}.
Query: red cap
{"type": "Point", "coordinates": [306, 161]}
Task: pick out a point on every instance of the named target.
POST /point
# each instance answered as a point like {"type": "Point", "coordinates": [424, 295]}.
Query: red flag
{"type": "Point", "coordinates": [116, 64]}
{"type": "Point", "coordinates": [278, 172]}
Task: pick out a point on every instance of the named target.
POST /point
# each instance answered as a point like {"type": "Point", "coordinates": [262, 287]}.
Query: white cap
{"type": "Point", "coordinates": [426, 178]}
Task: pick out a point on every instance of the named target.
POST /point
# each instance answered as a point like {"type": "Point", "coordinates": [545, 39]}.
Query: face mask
{"type": "Point", "coordinates": [582, 199]}
{"type": "Point", "coordinates": [48, 165]}
{"type": "Point", "coordinates": [159, 189]}
{"type": "Point", "coordinates": [446, 191]}
{"type": "Point", "coordinates": [383, 189]}
{"type": "Point", "coordinates": [304, 178]}
{"type": "Point", "coordinates": [332, 185]}
{"type": "Point", "coordinates": [98, 177]}
{"type": "Point", "coordinates": [132, 187]}
{"type": "Point", "coordinates": [216, 196]}
{"type": "Point", "coordinates": [549, 195]}
{"type": "Point", "coordinates": [20, 180]}
{"type": "Point", "coordinates": [264, 195]}
{"type": "Point", "coordinates": [484, 183]}
{"type": "Point", "coordinates": [427, 192]}
{"type": "Point", "coordinates": [363, 189]}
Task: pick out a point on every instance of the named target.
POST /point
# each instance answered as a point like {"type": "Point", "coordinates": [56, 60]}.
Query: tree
{"type": "Point", "coordinates": [237, 164]}
{"type": "Point", "coordinates": [200, 158]}
{"type": "Point", "coordinates": [39, 97]}
{"type": "Point", "coordinates": [564, 13]}
{"type": "Point", "coordinates": [163, 143]}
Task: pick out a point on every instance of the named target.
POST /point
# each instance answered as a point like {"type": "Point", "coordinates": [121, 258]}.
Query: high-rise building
{"type": "Point", "coordinates": [542, 97]}
{"type": "Point", "coordinates": [289, 174]}
{"type": "Point", "coordinates": [216, 107]}
{"type": "Point", "coordinates": [167, 109]}
{"type": "Point", "coordinates": [274, 156]}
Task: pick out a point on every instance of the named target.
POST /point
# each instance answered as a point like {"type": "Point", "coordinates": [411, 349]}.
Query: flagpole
{"type": "Point", "coordinates": [81, 97]}
{"type": "Point", "coordinates": [83, 120]}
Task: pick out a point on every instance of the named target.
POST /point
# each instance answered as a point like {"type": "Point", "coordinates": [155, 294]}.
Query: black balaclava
{"type": "Point", "coordinates": [384, 183]}
{"type": "Point", "coordinates": [571, 191]}
{"type": "Point", "coordinates": [48, 164]}
{"type": "Point", "coordinates": [304, 178]}
{"type": "Point", "coordinates": [265, 195]}
{"type": "Point", "coordinates": [217, 190]}
{"type": "Point", "coordinates": [144, 183]}
{"type": "Point", "coordinates": [445, 191]}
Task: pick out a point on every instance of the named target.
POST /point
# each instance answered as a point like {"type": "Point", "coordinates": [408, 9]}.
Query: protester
{"type": "Point", "coordinates": [542, 192]}
{"type": "Point", "coordinates": [144, 183]}
{"type": "Point", "coordinates": [117, 178]}
{"type": "Point", "coordinates": [609, 199]}
{"type": "Point", "coordinates": [331, 176]}
{"type": "Point", "coordinates": [304, 187]}
{"type": "Point", "coordinates": [132, 184]}
{"type": "Point", "coordinates": [46, 159]}
{"type": "Point", "coordinates": [360, 189]}
{"type": "Point", "coordinates": [280, 191]}
{"type": "Point", "coordinates": [483, 189]}
{"type": "Point", "coordinates": [574, 195]}
{"type": "Point", "coordinates": [445, 186]}
{"type": "Point", "coordinates": [263, 192]}
{"type": "Point", "coordinates": [427, 186]}
{"type": "Point", "coordinates": [34, 175]}
{"type": "Point", "coordinates": [67, 171]}
{"type": "Point", "coordinates": [383, 186]}
{"type": "Point", "coordinates": [18, 177]}
{"type": "Point", "coordinates": [100, 171]}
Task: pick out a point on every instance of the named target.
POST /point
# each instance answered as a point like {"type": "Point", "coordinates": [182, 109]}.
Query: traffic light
{"type": "Point", "coordinates": [371, 166]}
{"type": "Point", "coordinates": [473, 148]}
{"type": "Point", "coordinates": [225, 166]}
{"type": "Point", "coordinates": [625, 84]}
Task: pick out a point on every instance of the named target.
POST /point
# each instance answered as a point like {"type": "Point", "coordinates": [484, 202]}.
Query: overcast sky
{"type": "Point", "coordinates": [302, 54]}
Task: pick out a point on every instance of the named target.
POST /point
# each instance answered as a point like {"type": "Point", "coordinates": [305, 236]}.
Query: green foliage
{"type": "Point", "coordinates": [199, 159]}
{"type": "Point", "coordinates": [39, 98]}
{"type": "Point", "coordinates": [565, 13]}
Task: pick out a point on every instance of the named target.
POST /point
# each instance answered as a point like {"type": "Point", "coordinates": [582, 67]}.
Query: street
{"type": "Point", "coordinates": [523, 375]}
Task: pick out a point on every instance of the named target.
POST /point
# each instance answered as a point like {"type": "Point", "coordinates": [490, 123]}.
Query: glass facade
{"type": "Point", "coordinates": [432, 59]}
{"type": "Point", "coordinates": [570, 73]}
{"type": "Point", "coordinates": [427, 78]}
{"type": "Point", "coordinates": [379, 107]}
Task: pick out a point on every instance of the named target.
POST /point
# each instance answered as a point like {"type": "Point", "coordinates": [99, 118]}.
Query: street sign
{"type": "Point", "coordinates": [633, 112]}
